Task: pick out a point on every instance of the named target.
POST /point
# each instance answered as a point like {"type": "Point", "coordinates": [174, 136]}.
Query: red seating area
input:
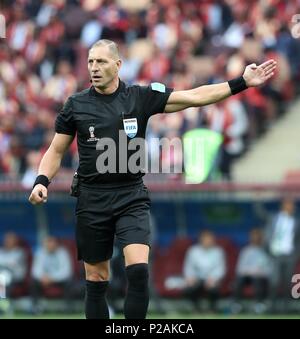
{"type": "Point", "coordinates": [231, 251]}
{"type": "Point", "coordinates": [166, 262]}
{"type": "Point", "coordinates": [22, 289]}
{"type": "Point", "coordinates": [170, 263]}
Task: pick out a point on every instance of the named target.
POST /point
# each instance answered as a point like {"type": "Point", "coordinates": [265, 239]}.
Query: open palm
{"type": "Point", "coordinates": [257, 75]}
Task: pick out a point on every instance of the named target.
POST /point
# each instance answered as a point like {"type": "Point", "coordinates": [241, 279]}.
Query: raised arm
{"type": "Point", "coordinates": [49, 166]}
{"type": "Point", "coordinates": [204, 95]}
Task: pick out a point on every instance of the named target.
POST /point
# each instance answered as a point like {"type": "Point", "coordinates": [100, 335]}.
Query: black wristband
{"type": "Point", "coordinates": [43, 180]}
{"type": "Point", "coordinates": [237, 85]}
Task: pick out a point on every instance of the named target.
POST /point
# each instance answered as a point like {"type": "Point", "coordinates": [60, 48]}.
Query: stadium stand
{"type": "Point", "coordinates": [183, 44]}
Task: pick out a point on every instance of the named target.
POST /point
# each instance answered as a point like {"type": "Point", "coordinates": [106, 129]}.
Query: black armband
{"type": "Point", "coordinates": [237, 85]}
{"type": "Point", "coordinates": [43, 180]}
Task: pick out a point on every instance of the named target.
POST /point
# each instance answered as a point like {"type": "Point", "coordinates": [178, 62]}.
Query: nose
{"type": "Point", "coordinates": [94, 67]}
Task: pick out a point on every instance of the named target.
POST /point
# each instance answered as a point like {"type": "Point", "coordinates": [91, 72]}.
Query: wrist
{"type": "Point", "coordinates": [41, 180]}
{"type": "Point", "coordinates": [237, 85]}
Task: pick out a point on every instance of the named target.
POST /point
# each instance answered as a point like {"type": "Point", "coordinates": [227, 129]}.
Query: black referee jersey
{"type": "Point", "coordinates": [93, 116]}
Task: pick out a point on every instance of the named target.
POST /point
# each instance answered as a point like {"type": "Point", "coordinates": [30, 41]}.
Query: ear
{"type": "Point", "coordinates": [119, 64]}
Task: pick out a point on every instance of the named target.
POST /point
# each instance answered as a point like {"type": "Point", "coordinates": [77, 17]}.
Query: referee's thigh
{"type": "Point", "coordinates": [136, 254]}
{"type": "Point", "coordinates": [97, 271]}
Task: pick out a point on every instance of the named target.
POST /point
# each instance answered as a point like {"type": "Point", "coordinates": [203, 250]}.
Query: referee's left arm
{"type": "Point", "coordinates": [209, 94]}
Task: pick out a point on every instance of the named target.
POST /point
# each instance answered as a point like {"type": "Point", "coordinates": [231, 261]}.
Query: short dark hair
{"type": "Point", "coordinates": [113, 46]}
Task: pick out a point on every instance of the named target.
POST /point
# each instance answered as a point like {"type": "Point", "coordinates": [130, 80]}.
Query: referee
{"type": "Point", "coordinates": [112, 204]}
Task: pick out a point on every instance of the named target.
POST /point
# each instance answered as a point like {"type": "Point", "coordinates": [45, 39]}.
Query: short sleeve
{"type": "Point", "coordinates": [64, 123]}
{"type": "Point", "coordinates": [154, 98]}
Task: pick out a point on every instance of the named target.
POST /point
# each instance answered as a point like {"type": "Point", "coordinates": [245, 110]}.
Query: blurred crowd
{"type": "Point", "coordinates": [183, 44]}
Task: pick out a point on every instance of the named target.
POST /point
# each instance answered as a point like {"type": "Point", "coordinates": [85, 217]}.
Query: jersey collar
{"type": "Point", "coordinates": [94, 93]}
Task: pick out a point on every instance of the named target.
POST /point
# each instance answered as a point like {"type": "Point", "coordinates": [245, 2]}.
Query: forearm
{"type": "Point", "coordinates": [52, 159]}
{"type": "Point", "coordinates": [204, 95]}
{"type": "Point", "coordinates": [209, 94]}
{"type": "Point", "coordinates": [50, 163]}
{"type": "Point", "coordinates": [252, 76]}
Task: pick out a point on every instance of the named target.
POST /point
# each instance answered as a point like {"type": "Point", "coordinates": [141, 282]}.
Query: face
{"type": "Point", "coordinates": [51, 244]}
{"type": "Point", "coordinates": [103, 67]}
{"type": "Point", "coordinates": [288, 207]}
{"type": "Point", "coordinates": [207, 240]}
{"type": "Point", "coordinates": [64, 68]}
{"type": "Point", "coordinates": [10, 241]}
{"type": "Point", "coordinates": [256, 237]}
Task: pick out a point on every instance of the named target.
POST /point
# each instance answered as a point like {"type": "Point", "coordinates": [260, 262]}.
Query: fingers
{"type": "Point", "coordinates": [268, 76]}
{"type": "Point", "coordinates": [43, 193]}
{"type": "Point", "coordinates": [270, 68]}
{"type": "Point", "coordinates": [38, 195]}
{"type": "Point", "coordinates": [270, 71]}
{"type": "Point", "coordinates": [267, 64]}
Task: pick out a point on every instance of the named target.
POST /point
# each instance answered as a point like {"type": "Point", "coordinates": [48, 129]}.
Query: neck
{"type": "Point", "coordinates": [110, 89]}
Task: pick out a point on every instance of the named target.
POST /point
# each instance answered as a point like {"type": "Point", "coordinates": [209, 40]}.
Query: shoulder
{"type": "Point", "coordinates": [76, 100]}
{"type": "Point", "coordinates": [151, 87]}
{"type": "Point", "coordinates": [245, 250]}
{"type": "Point", "coordinates": [132, 89]}
{"type": "Point", "coordinates": [62, 251]}
{"type": "Point", "coordinates": [194, 249]}
{"type": "Point", "coordinates": [79, 95]}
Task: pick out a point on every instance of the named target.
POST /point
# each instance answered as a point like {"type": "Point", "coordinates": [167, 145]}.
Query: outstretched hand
{"type": "Point", "coordinates": [257, 75]}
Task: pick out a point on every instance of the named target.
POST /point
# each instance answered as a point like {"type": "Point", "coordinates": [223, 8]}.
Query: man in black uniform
{"type": "Point", "coordinates": [117, 203]}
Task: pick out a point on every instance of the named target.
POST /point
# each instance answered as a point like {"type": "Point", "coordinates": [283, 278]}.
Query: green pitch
{"type": "Point", "coordinates": [156, 316]}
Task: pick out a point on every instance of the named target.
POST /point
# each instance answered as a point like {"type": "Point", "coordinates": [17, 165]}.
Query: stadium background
{"type": "Point", "coordinates": [182, 44]}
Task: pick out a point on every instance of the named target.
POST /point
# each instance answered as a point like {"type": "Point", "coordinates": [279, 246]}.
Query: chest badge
{"type": "Point", "coordinates": [92, 134]}
{"type": "Point", "coordinates": [130, 127]}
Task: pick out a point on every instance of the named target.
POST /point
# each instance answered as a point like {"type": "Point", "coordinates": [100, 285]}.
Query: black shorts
{"type": "Point", "coordinates": [103, 214]}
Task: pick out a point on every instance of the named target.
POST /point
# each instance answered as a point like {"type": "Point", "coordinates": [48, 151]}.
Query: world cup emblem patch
{"type": "Point", "coordinates": [130, 127]}
{"type": "Point", "coordinates": [92, 137]}
{"type": "Point", "coordinates": [92, 130]}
